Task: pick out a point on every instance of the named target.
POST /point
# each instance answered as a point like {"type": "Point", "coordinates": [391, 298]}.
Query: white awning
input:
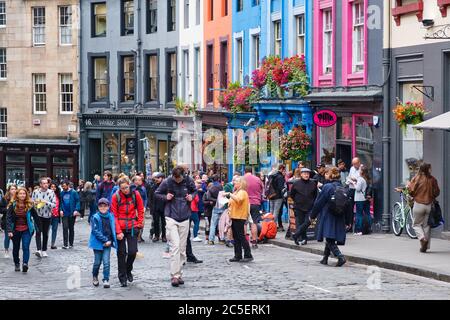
{"type": "Point", "coordinates": [441, 122]}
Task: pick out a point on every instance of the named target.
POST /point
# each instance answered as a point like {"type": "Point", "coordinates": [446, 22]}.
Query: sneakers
{"type": "Point", "coordinates": [234, 259]}
{"type": "Point", "coordinates": [38, 254]}
{"type": "Point", "coordinates": [53, 247]}
{"type": "Point", "coordinates": [106, 284]}
{"type": "Point", "coordinates": [194, 260]}
{"type": "Point", "coordinates": [123, 284]}
{"type": "Point", "coordinates": [229, 244]}
{"type": "Point", "coordinates": [24, 268]}
{"type": "Point", "coordinates": [17, 267]}
{"type": "Point", "coordinates": [175, 282]}
{"type": "Point", "coordinates": [95, 281]}
{"type": "Point", "coordinates": [248, 259]}
{"type": "Point", "coordinates": [357, 234]}
{"type": "Point", "coordinates": [221, 241]}
{"type": "Point", "coordinates": [6, 256]}
{"type": "Point", "coordinates": [164, 239]}
{"type": "Point", "coordinates": [44, 254]}
{"type": "Point", "coordinates": [304, 242]}
{"type": "Point", "coordinates": [197, 239]}
{"type": "Point", "coordinates": [70, 247]}
{"type": "Point", "coordinates": [423, 245]}
{"type": "Point", "coordinates": [211, 243]}
{"type": "Point", "coordinates": [130, 277]}
{"type": "Point", "coordinates": [254, 245]}
{"type": "Point", "coordinates": [180, 281]}
{"type": "Point", "coordinates": [65, 247]}
{"type": "Point", "coordinates": [341, 261]}
{"type": "Point", "coordinates": [155, 239]}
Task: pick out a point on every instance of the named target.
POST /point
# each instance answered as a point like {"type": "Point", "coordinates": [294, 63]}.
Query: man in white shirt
{"type": "Point", "coordinates": [355, 172]}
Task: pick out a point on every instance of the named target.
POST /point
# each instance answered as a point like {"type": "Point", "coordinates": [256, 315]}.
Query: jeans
{"type": "Point", "coordinates": [25, 236]}
{"type": "Point", "coordinates": [55, 223]}
{"type": "Point", "coordinates": [43, 228]}
{"type": "Point", "coordinates": [159, 224]}
{"type": "Point", "coordinates": [302, 223]}
{"type": "Point", "coordinates": [216, 214]}
{"type": "Point", "coordinates": [362, 208]}
{"type": "Point", "coordinates": [126, 259]}
{"type": "Point", "coordinates": [68, 229]}
{"type": "Point", "coordinates": [195, 217]}
{"type": "Point", "coordinates": [275, 208]}
{"type": "Point", "coordinates": [239, 239]}
{"type": "Point", "coordinates": [6, 241]}
{"type": "Point", "coordinates": [99, 257]}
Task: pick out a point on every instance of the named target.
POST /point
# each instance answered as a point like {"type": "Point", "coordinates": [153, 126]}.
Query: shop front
{"type": "Point", "coordinates": [24, 162]}
{"type": "Point", "coordinates": [115, 143]}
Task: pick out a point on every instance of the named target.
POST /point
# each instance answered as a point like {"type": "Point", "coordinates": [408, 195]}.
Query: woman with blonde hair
{"type": "Point", "coordinates": [239, 209]}
{"type": "Point", "coordinates": [4, 205]}
{"type": "Point", "coordinates": [20, 224]}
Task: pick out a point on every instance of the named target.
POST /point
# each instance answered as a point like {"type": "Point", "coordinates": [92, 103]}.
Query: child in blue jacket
{"type": "Point", "coordinates": [103, 237]}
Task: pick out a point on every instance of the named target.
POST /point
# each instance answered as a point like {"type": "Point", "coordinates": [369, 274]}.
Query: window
{"type": "Point", "coordinates": [256, 51]}
{"type": "Point", "coordinates": [327, 41]}
{"type": "Point", "coordinates": [99, 13]}
{"type": "Point", "coordinates": [100, 79]}
{"type": "Point", "coordinates": [2, 14]}
{"type": "Point", "coordinates": [66, 93]}
{"type": "Point", "coordinates": [65, 25]}
{"type": "Point", "coordinates": [186, 76]}
{"type": "Point", "coordinates": [152, 22]}
{"type": "Point", "coordinates": [197, 79]}
{"type": "Point", "coordinates": [3, 123]}
{"type": "Point", "coordinates": [224, 8]}
{"type": "Point", "coordinates": [171, 15]}
{"type": "Point", "coordinates": [240, 61]}
{"type": "Point", "coordinates": [3, 63]}
{"type": "Point", "coordinates": [224, 64]}
{"type": "Point", "coordinates": [197, 12]}
{"type": "Point", "coordinates": [301, 34]}
{"type": "Point", "coordinates": [277, 37]}
{"type": "Point", "coordinates": [172, 77]}
{"type": "Point", "coordinates": [127, 17]}
{"type": "Point", "coordinates": [128, 78]}
{"type": "Point", "coordinates": [256, 2]}
{"type": "Point", "coordinates": [240, 5]}
{"type": "Point", "coordinates": [38, 26]}
{"type": "Point", "coordinates": [211, 10]}
{"type": "Point", "coordinates": [39, 93]}
{"type": "Point", "coordinates": [153, 73]}
{"type": "Point", "coordinates": [209, 73]}
{"type": "Point", "coordinates": [186, 14]}
{"type": "Point", "coordinates": [358, 37]}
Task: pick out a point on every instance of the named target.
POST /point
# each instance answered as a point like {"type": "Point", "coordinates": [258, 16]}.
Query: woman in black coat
{"type": "Point", "coordinates": [330, 226]}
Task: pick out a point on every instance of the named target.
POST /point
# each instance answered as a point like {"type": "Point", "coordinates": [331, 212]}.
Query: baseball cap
{"type": "Point", "coordinates": [103, 201]}
{"type": "Point", "coordinates": [320, 165]}
{"type": "Point", "coordinates": [305, 170]}
{"type": "Point", "coordinates": [160, 175]}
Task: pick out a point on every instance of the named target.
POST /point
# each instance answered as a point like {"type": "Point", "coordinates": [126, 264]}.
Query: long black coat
{"type": "Point", "coordinates": [329, 225]}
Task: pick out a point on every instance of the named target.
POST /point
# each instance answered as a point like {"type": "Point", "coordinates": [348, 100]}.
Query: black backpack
{"type": "Point", "coordinates": [339, 201]}
{"type": "Point", "coordinates": [369, 192]}
{"type": "Point", "coordinates": [270, 191]}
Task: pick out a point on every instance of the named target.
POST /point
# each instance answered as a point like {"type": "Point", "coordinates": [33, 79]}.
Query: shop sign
{"type": "Point", "coordinates": [325, 118]}
{"type": "Point", "coordinates": [120, 123]}
{"type": "Point", "coordinates": [131, 146]}
{"type": "Point", "coordinates": [158, 123]}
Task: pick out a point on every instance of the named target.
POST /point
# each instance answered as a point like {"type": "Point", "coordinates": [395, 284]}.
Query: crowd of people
{"type": "Point", "coordinates": [240, 214]}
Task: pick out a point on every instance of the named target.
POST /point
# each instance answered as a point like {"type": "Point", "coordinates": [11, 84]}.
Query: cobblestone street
{"type": "Point", "coordinates": [276, 273]}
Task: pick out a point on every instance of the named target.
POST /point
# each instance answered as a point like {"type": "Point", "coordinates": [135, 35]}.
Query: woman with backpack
{"type": "Point", "coordinates": [362, 203]}
{"type": "Point", "coordinates": [4, 205]}
{"type": "Point", "coordinates": [20, 225]}
{"type": "Point", "coordinates": [334, 214]}
{"type": "Point", "coordinates": [424, 189]}
{"type": "Point", "coordinates": [56, 218]}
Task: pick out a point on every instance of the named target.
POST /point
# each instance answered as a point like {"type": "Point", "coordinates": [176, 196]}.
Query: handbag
{"type": "Point", "coordinates": [435, 219]}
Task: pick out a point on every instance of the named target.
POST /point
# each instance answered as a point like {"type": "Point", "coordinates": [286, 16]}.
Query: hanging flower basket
{"type": "Point", "coordinates": [296, 145]}
{"type": "Point", "coordinates": [238, 99]}
{"type": "Point", "coordinates": [409, 113]}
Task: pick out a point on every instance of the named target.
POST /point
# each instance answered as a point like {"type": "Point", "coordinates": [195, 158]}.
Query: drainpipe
{"type": "Point", "coordinates": [138, 85]}
{"type": "Point", "coordinates": [81, 163]}
{"type": "Point", "coordinates": [386, 116]}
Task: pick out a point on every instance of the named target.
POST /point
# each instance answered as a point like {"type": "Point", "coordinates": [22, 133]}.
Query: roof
{"type": "Point", "coordinates": [441, 122]}
{"type": "Point", "coordinates": [350, 95]}
{"type": "Point", "coordinates": [53, 142]}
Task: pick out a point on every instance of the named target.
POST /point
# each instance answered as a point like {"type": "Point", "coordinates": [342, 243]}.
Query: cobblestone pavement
{"type": "Point", "coordinates": [276, 273]}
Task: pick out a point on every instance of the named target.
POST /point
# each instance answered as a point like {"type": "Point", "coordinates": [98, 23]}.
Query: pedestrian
{"type": "Point", "coordinates": [255, 190]}
{"type": "Point", "coordinates": [81, 195]}
{"type": "Point", "coordinates": [45, 201]}
{"type": "Point", "coordinates": [264, 200]}
{"type": "Point", "coordinates": [177, 192]}
{"type": "Point", "coordinates": [20, 225]}
{"type": "Point", "coordinates": [362, 204]}
{"type": "Point", "coordinates": [355, 172]}
{"type": "Point", "coordinates": [138, 185]}
{"type": "Point", "coordinates": [96, 182]}
{"type": "Point", "coordinates": [319, 177]}
{"type": "Point", "coordinates": [4, 205]}
{"type": "Point", "coordinates": [128, 210]}
{"type": "Point", "coordinates": [239, 213]}
{"type": "Point", "coordinates": [157, 210]}
{"type": "Point", "coordinates": [424, 189]}
{"type": "Point", "coordinates": [343, 170]}
{"type": "Point", "coordinates": [89, 196]}
{"type": "Point", "coordinates": [56, 216]}
{"type": "Point", "coordinates": [331, 227]}
{"type": "Point", "coordinates": [276, 186]}
{"type": "Point", "coordinates": [69, 210]}
{"type": "Point", "coordinates": [195, 217]}
{"type": "Point", "coordinates": [213, 194]}
{"type": "Point", "coordinates": [103, 237]}
{"type": "Point", "coordinates": [303, 193]}
{"type": "Point", "coordinates": [105, 188]}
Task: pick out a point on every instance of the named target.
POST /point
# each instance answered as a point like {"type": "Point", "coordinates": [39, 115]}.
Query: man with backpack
{"type": "Point", "coordinates": [177, 192]}
{"type": "Point", "coordinates": [128, 209]}
{"type": "Point", "coordinates": [157, 210]}
{"type": "Point", "coordinates": [69, 206]}
{"type": "Point", "coordinates": [138, 185]}
{"type": "Point", "coordinates": [274, 193]}
{"type": "Point", "coordinates": [105, 188]}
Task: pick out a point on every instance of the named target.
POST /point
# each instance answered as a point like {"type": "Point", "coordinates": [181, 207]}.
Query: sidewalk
{"type": "Point", "coordinates": [387, 251]}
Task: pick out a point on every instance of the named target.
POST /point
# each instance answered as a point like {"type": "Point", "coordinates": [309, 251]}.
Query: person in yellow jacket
{"type": "Point", "coordinates": [239, 210]}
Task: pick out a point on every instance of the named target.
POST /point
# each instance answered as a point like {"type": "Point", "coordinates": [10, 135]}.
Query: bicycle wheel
{"type": "Point", "coordinates": [397, 219]}
{"type": "Point", "coordinates": [409, 223]}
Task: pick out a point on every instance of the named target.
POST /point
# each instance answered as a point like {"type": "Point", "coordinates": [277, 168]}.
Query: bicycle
{"type": "Point", "coordinates": [402, 215]}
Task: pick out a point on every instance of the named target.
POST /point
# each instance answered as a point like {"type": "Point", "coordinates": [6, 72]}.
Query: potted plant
{"type": "Point", "coordinates": [409, 113]}
{"type": "Point", "coordinates": [296, 145]}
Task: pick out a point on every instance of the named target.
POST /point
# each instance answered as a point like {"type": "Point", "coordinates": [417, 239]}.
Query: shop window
{"type": "Point", "coordinates": [62, 173]}
{"type": "Point", "coordinates": [62, 160]}
{"type": "Point", "coordinates": [38, 159]}
{"type": "Point", "coordinates": [412, 143]}
{"type": "Point", "coordinates": [128, 154]}
{"type": "Point", "coordinates": [15, 175]}
{"type": "Point", "coordinates": [15, 158]}
{"type": "Point", "coordinates": [151, 162]}
{"type": "Point", "coordinates": [163, 157]}
{"type": "Point", "coordinates": [37, 174]}
{"type": "Point", "coordinates": [364, 142]}
{"type": "Point", "coordinates": [327, 145]}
